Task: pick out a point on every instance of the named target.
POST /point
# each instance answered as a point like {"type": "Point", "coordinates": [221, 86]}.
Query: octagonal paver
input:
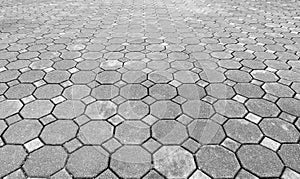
{"type": "Point", "coordinates": [131, 162]}
{"type": "Point", "coordinates": [162, 91]}
{"type": "Point", "coordinates": [59, 132]}
{"type": "Point", "coordinates": [197, 109]}
{"type": "Point", "coordinates": [88, 161]}
{"type": "Point", "coordinates": [108, 77]}
{"type": "Point", "coordinates": [37, 109]}
{"type": "Point", "coordinates": [191, 91]}
{"type": "Point", "coordinates": [174, 162]}
{"type": "Point", "coordinates": [220, 91]}
{"type": "Point", "coordinates": [289, 105]}
{"type": "Point", "coordinates": [262, 107]}
{"type": "Point", "coordinates": [230, 108]}
{"type": "Point", "coordinates": [69, 109]}
{"type": "Point", "coordinates": [48, 91]}
{"type": "Point", "coordinates": [290, 155]}
{"type": "Point", "coordinates": [206, 131]}
{"type": "Point", "coordinates": [9, 107]}
{"type": "Point", "coordinates": [133, 91]}
{"type": "Point", "coordinates": [11, 157]}
{"type": "Point", "coordinates": [243, 131]}
{"type": "Point", "coordinates": [169, 132]}
{"type": "Point", "coordinates": [259, 160]}
{"type": "Point", "coordinates": [95, 132]}
{"type": "Point", "coordinates": [217, 161]}
{"type": "Point", "coordinates": [249, 90]}
{"type": "Point", "coordinates": [133, 109]}
{"type": "Point", "coordinates": [132, 132]}
{"type": "Point", "coordinates": [45, 161]}
{"type": "Point", "coordinates": [165, 109]}
{"type": "Point", "coordinates": [22, 131]}
{"type": "Point", "coordinates": [19, 91]}
{"type": "Point", "coordinates": [105, 92]}
{"type": "Point", "coordinates": [101, 110]}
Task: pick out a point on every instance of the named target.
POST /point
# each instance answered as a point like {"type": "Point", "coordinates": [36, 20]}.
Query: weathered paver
{"type": "Point", "coordinates": [149, 89]}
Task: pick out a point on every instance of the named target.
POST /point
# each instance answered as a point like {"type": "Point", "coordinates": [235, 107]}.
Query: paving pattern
{"type": "Point", "coordinates": [149, 89]}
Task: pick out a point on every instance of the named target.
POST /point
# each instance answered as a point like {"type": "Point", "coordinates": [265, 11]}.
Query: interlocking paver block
{"type": "Point", "coordinates": [11, 157]}
{"type": "Point", "coordinates": [95, 132]}
{"type": "Point", "coordinates": [174, 162]}
{"type": "Point", "coordinates": [261, 161]}
{"type": "Point", "coordinates": [22, 131]}
{"type": "Point", "coordinates": [37, 109]}
{"type": "Point", "coordinates": [45, 161]}
{"type": "Point", "coordinates": [59, 132]}
{"type": "Point", "coordinates": [217, 161]}
{"type": "Point", "coordinates": [9, 107]}
{"type": "Point", "coordinates": [88, 161]}
{"type": "Point", "coordinates": [131, 161]}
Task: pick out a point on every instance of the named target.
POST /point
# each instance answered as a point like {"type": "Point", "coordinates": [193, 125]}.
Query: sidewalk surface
{"type": "Point", "coordinates": [149, 89]}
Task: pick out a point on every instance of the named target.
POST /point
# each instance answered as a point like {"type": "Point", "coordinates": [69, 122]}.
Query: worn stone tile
{"type": "Point", "coordinates": [217, 161]}
{"type": "Point", "coordinates": [174, 162]}
{"type": "Point", "coordinates": [260, 160]}
{"type": "Point", "coordinates": [88, 161]}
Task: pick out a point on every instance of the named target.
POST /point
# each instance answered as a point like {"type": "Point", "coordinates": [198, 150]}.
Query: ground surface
{"type": "Point", "coordinates": [149, 89]}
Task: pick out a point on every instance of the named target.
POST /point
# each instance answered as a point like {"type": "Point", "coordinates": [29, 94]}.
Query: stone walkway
{"type": "Point", "coordinates": [149, 89]}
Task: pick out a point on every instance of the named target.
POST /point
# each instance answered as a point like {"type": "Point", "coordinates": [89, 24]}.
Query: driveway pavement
{"type": "Point", "coordinates": [149, 89]}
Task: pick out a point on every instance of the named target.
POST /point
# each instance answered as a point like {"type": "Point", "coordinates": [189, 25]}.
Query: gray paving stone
{"type": "Point", "coordinates": [132, 132]}
{"type": "Point", "coordinates": [76, 92]}
{"type": "Point", "coordinates": [9, 107]}
{"type": "Point", "coordinates": [37, 109]}
{"type": "Point", "coordinates": [105, 92]}
{"type": "Point", "coordinates": [57, 76]}
{"type": "Point", "coordinates": [83, 77]}
{"type": "Point", "coordinates": [165, 109]}
{"type": "Point", "coordinates": [22, 131]}
{"type": "Point", "coordinates": [59, 132]}
{"type": "Point", "coordinates": [88, 161]}
{"type": "Point", "coordinates": [131, 162]}
{"type": "Point", "coordinates": [206, 131]}
{"type": "Point", "coordinates": [160, 77]}
{"type": "Point", "coordinates": [9, 75]}
{"type": "Point", "coordinates": [31, 76]}
{"type": "Point", "coordinates": [95, 132]}
{"type": "Point", "coordinates": [68, 109]}
{"type": "Point", "coordinates": [289, 105]}
{"type": "Point", "coordinates": [191, 91]}
{"type": "Point", "coordinates": [261, 161]}
{"type": "Point", "coordinates": [45, 161]}
{"type": "Point", "coordinates": [101, 110]}
{"type": "Point", "coordinates": [174, 162]}
{"type": "Point", "coordinates": [162, 91]}
{"type": "Point", "coordinates": [249, 90]}
{"type": "Point", "coordinates": [238, 76]}
{"type": "Point", "coordinates": [197, 109]}
{"type": "Point", "coordinates": [279, 130]}
{"type": "Point", "coordinates": [108, 77]}
{"type": "Point", "coordinates": [169, 132]}
{"type": "Point", "coordinates": [212, 76]}
{"type": "Point", "coordinates": [133, 109]}
{"type": "Point", "coordinates": [217, 161]}
{"type": "Point", "coordinates": [220, 91]}
{"type": "Point", "coordinates": [134, 77]}
{"type": "Point", "coordinates": [48, 91]}
{"type": "Point", "coordinates": [230, 108]}
{"type": "Point", "coordinates": [11, 157]}
{"type": "Point", "coordinates": [262, 107]}
{"type": "Point", "coordinates": [133, 91]}
{"type": "Point", "coordinates": [290, 155]}
{"type": "Point", "coordinates": [242, 131]}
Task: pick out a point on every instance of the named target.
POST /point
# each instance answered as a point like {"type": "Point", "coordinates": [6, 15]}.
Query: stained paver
{"type": "Point", "coordinates": [149, 89]}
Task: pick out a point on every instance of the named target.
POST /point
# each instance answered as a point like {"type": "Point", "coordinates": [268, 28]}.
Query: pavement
{"type": "Point", "coordinates": [149, 89]}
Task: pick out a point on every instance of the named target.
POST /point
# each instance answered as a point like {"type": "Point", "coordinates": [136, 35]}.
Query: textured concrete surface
{"type": "Point", "coordinates": [149, 89]}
